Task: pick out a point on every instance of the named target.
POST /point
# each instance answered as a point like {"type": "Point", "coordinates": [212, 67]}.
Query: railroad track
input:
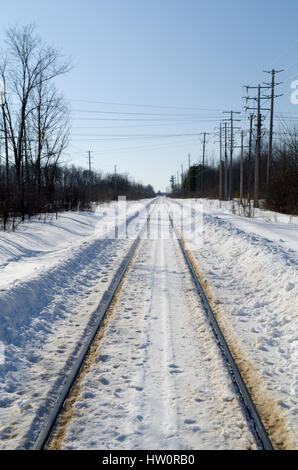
{"type": "Point", "coordinates": [101, 312]}
{"type": "Point", "coordinates": [253, 419]}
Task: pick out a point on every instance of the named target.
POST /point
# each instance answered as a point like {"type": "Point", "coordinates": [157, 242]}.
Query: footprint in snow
{"type": "Point", "coordinates": [104, 381]}
{"type": "Point", "coordinates": [189, 421]}
{"type": "Point", "coordinates": [175, 369]}
{"type": "Point", "coordinates": [104, 358]}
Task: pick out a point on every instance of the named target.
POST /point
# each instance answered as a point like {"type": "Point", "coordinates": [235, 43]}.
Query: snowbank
{"type": "Point", "coordinates": [52, 277]}
{"type": "Point", "coordinates": [250, 268]}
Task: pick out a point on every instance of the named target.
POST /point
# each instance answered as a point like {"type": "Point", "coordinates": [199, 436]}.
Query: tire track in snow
{"type": "Point", "coordinates": [158, 356]}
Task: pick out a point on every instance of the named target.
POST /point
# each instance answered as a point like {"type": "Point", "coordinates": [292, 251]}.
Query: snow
{"type": "Point", "coordinates": [52, 279]}
{"type": "Point", "coordinates": [250, 267]}
{"type": "Point", "coordinates": [157, 380]}
{"type": "Point", "coordinates": [280, 228]}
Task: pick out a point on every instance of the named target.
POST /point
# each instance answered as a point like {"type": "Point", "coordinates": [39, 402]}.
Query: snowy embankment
{"type": "Point", "coordinates": [249, 267]}
{"type": "Point", "coordinates": [234, 207]}
{"type": "Point", "coordinates": [52, 277]}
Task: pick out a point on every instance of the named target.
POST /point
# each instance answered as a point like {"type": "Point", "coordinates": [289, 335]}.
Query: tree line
{"type": "Point", "coordinates": [280, 195]}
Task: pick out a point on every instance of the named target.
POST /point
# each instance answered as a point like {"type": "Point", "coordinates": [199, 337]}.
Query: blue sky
{"type": "Point", "coordinates": [169, 55]}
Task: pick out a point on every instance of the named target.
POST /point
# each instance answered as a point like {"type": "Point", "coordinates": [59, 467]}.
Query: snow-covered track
{"type": "Point", "coordinates": [254, 421]}
{"type": "Point", "coordinates": [101, 312]}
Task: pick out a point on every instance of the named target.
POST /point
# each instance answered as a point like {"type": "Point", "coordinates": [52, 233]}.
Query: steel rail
{"type": "Point", "coordinates": [101, 310]}
{"type": "Point", "coordinates": [252, 415]}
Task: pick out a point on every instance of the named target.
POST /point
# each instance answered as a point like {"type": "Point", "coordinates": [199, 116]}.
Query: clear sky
{"type": "Point", "coordinates": [169, 55]}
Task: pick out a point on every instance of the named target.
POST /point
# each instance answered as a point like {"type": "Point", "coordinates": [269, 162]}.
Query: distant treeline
{"type": "Point", "coordinates": [282, 193]}
{"type": "Point", "coordinates": [62, 189]}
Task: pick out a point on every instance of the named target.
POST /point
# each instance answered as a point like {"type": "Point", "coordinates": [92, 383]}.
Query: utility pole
{"type": "Point", "coordinates": [232, 120]}
{"type": "Point", "coordinates": [220, 162]}
{"type": "Point", "coordinates": [269, 156]}
{"type": "Point", "coordinates": [203, 166]}
{"type": "Point", "coordinates": [189, 187]}
{"type": "Point", "coordinates": [182, 178]}
{"type": "Point", "coordinates": [258, 146]}
{"type": "Point", "coordinates": [241, 166]}
{"type": "Point", "coordinates": [115, 181]}
{"type": "Point", "coordinates": [203, 163]}
{"type": "Point", "coordinates": [226, 163]}
{"type": "Point", "coordinates": [220, 185]}
{"type": "Point", "coordinates": [258, 138]}
{"type": "Point", "coordinates": [241, 169]}
{"type": "Point", "coordinates": [89, 159]}
{"type": "Point", "coordinates": [251, 118]}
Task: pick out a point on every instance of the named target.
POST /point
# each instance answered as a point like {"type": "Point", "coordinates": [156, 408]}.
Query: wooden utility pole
{"type": "Point", "coordinates": [241, 168]}
{"type": "Point", "coordinates": [220, 163]}
{"type": "Point", "coordinates": [89, 160]}
{"type": "Point", "coordinates": [203, 165]}
{"type": "Point", "coordinates": [189, 172]}
{"type": "Point", "coordinates": [251, 118]}
{"type": "Point", "coordinates": [115, 181]}
{"type": "Point", "coordinates": [182, 188]}
{"type": "Point", "coordinates": [269, 155]}
{"type": "Point", "coordinates": [226, 163]}
{"type": "Point", "coordinates": [232, 119]}
{"type": "Point", "coordinates": [203, 162]}
{"type": "Point", "coordinates": [231, 158]}
{"type": "Point", "coordinates": [258, 138]}
{"type": "Point", "coordinates": [221, 166]}
{"type": "Point", "coordinates": [258, 147]}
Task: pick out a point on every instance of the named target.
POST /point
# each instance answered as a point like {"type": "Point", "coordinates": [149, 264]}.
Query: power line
{"type": "Point", "coordinates": [149, 147]}
{"type": "Point", "coordinates": [171, 123]}
{"type": "Point", "coordinates": [145, 105]}
{"type": "Point", "coordinates": [139, 114]}
{"type": "Point", "coordinates": [136, 136]}
{"type": "Point", "coordinates": [187, 120]}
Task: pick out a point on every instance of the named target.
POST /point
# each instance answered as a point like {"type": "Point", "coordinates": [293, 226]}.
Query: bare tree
{"type": "Point", "coordinates": [49, 129]}
{"type": "Point", "coordinates": [28, 70]}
